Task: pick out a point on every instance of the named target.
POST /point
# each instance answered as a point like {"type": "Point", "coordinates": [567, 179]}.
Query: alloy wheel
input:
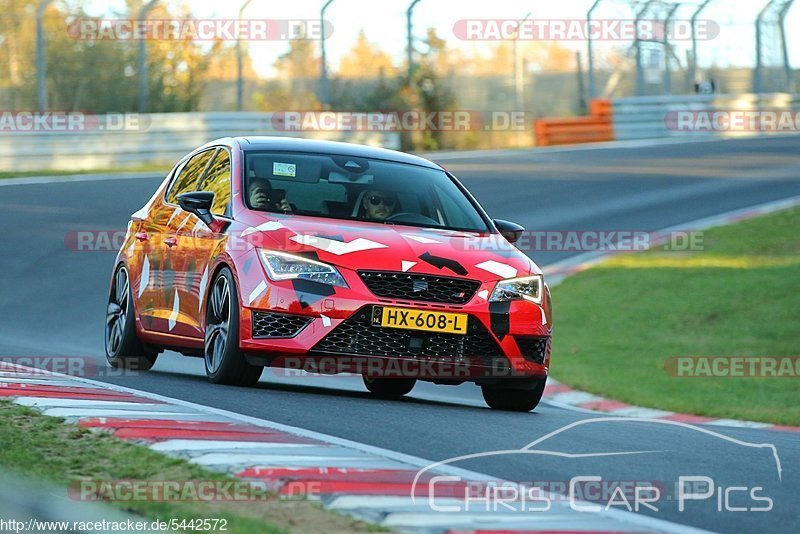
{"type": "Point", "coordinates": [217, 324]}
{"type": "Point", "coordinates": [116, 313]}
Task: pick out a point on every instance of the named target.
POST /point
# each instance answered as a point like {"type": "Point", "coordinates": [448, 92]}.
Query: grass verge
{"type": "Point", "coordinates": [44, 448]}
{"type": "Point", "coordinates": [619, 323]}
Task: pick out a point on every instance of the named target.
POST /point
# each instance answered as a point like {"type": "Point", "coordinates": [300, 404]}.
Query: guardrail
{"type": "Point", "coordinates": [655, 117]}
{"type": "Point", "coordinates": [596, 127]}
{"type": "Point", "coordinates": [154, 139]}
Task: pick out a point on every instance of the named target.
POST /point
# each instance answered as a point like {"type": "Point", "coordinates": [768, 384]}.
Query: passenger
{"type": "Point", "coordinates": [259, 195]}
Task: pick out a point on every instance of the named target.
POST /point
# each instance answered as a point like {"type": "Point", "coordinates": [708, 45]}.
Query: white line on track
{"type": "Point", "coordinates": [588, 259]}
{"type": "Point", "coordinates": [611, 145]}
{"type": "Point", "coordinates": [389, 457]}
{"type": "Point", "coordinates": [435, 156]}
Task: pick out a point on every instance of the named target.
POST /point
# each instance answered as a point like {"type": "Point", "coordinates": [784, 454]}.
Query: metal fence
{"type": "Point", "coordinates": [654, 117]}
{"type": "Point", "coordinates": [686, 59]}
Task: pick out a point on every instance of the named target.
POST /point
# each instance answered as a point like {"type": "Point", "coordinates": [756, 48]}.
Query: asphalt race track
{"type": "Point", "coordinates": [52, 302]}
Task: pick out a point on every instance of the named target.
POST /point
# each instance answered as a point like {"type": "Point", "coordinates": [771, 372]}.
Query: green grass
{"type": "Point", "coordinates": [155, 169]}
{"type": "Point", "coordinates": [618, 323]}
{"type": "Point", "coordinates": [45, 448]}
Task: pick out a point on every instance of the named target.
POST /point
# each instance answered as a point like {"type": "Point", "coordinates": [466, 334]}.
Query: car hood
{"type": "Point", "coordinates": [360, 245]}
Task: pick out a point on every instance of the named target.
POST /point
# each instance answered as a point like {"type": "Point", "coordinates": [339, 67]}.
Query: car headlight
{"type": "Point", "coordinates": [525, 288]}
{"type": "Point", "coordinates": [283, 266]}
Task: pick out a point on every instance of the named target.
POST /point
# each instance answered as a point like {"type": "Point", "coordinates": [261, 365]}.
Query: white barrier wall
{"type": "Point", "coordinates": [118, 141]}
{"type": "Point", "coordinates": [654, 117]}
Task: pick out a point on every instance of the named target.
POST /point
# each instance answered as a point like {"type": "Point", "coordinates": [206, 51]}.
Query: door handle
{"type": "Point", "coordinates": [171, 242]}
{"type": "Point", "coordinates": [142, 236]}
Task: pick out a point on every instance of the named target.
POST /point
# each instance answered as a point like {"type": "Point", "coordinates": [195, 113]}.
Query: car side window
{"type": "Point", "coordinates": [189, 176]}
{"type": "Point", "coordinates": [218, 181]}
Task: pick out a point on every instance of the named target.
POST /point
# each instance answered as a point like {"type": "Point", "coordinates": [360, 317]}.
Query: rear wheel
{"type": "Point", "coordinates": [389, 388]}
{"type": "Point", "coordinates": [225, 364]}
{"type": "Point", "coordinates": [519, 397]}
{"type": "Point", "coordinates": [123, 348]}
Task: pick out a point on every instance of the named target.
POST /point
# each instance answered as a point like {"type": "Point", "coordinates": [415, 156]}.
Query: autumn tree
{"type": "Point", "coordinates": [298, 78]}
{"type": "Point", "coordinates": [365, 60]}
{"type": "Point", "coordinates": [427, 90]}
{"type": "Point", "coordinates": [96, 75]}
{"type": "Point", "coordinates": [300, 61]}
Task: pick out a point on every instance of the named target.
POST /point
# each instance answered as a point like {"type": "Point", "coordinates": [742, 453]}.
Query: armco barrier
{"type": "Point", "coordinates": [653, 117]}
{"type": "Point", "coordinates": [596, 127]}
{"type": "Point", "coordinates": [160, 139]}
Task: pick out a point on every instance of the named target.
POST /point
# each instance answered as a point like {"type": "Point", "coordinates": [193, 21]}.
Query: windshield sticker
{"type": "Point", "coordinates": [284, 169]}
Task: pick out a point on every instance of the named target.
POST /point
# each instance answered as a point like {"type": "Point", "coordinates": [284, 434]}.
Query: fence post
{"type": "Point", "coordinates": [757, 78]}
{"type": "Point", "coordinates": [667, 50]}
{"type": "Point", "coordinates": [695, 15]}
{"type": "Point", "coordinates": [324, 89]}
{"type": "Point", "coordinates": [787, 68]}
{"type": "Point", "coordinates": [240, 63]}
{"type": "Point", "coordinates": [41, 57]}
{"type": "Point", "coordinates": [410, 37]}
{"type": "Point", "coordinates": [638, 45]}
{"type": "Point", "coordinates": [590, 46]}
{"type": "Point", "coordinates": [144, 86]}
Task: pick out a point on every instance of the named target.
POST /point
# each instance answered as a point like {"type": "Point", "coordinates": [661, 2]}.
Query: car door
{"type": "Point", "coordinates": [176, 254]}
{"type": "Point", "coordinates": [199, 244]}
{"type": "Point", "coordinates": [149, 227]}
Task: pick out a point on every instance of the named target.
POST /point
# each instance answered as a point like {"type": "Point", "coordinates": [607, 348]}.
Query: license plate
{"type": "Point", "coordinates": [426, 321]}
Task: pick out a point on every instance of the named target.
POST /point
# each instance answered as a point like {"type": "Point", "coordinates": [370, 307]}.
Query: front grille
{"type": "Point", "coordinates": [357, 336]}
{"type": "Point", "coordinates": [533, 349]}
{"type": "Point", "coordinates": [272, 325]}
{"type": "Point", "coordinates": [421, 287]}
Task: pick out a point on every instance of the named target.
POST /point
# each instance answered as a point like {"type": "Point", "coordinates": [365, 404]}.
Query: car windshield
{"type": "Point", "coordinates": [344, 187]}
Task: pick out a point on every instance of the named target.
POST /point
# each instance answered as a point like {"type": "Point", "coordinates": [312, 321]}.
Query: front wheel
{"type": "Point", "coordinates": [123, 348]}
{"type": "Point", "coordinates": [389, 388]}
{"type": "Point", "coordinates": [521, 397]}
{"type": "Point", "coordinates": [225, 364]}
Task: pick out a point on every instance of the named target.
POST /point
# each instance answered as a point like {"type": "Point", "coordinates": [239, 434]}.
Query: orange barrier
{"type": "Point", "coordinates": [591, 129]}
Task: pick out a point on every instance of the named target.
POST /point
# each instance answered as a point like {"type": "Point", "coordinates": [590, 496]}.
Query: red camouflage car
{"type": "Point", "coordinates": [329, 257]}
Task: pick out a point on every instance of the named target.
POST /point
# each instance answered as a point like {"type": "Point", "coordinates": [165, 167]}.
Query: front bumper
{"type": "Point", "coordinates": [325, 330]}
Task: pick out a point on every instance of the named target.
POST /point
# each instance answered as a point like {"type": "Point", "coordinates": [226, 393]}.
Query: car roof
{"type": "Point", "coordinates": [295, 144]}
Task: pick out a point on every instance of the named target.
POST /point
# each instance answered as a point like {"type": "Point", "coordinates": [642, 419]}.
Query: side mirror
{"type": "Point", "coordinates": [199, 203]}
{"type": "Point", "coordinates": [511, 231]}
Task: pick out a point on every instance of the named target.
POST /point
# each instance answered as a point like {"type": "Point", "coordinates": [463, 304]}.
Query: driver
{"type": "Point", "coordinates": [379, 205]}
{"type": "Point", "coordinates": [259, 192]}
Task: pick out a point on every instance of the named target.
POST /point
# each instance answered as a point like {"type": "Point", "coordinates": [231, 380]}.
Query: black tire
{"type": "Point", "coordinates": [389, 388]}
{"type": "Point", "coordinates": [521, 397]}
{"type": "Point", "coordinates": [224, 363]}
{"type": "Point", "coordinates": [124, 350]}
